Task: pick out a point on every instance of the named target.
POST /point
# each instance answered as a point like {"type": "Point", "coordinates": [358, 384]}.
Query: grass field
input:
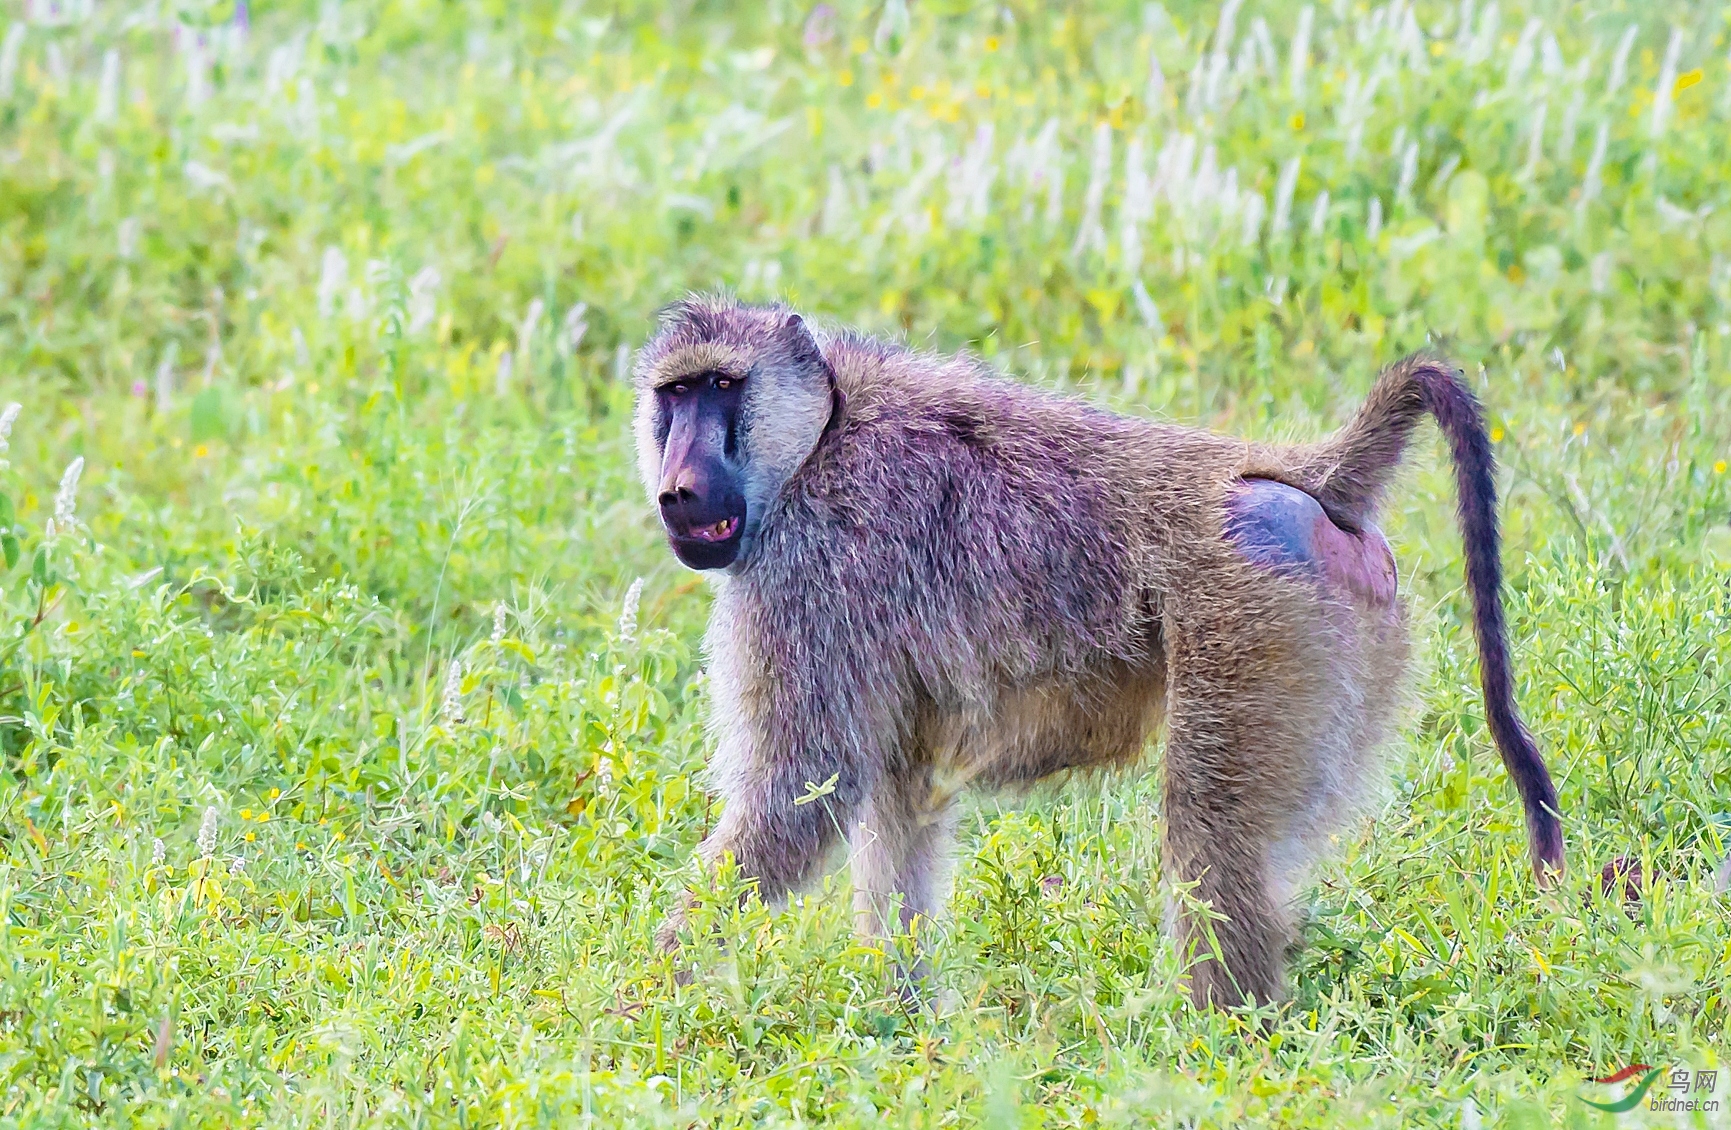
{"type": "Point", "coordinates": [346, 770]}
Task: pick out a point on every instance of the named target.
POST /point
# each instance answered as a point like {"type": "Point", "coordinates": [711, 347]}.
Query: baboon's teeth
{"type": "Point", "coordinates": [720, 531]}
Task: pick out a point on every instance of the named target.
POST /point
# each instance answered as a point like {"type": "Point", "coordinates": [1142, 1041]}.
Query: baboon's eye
{"type": "Point", "coordinates": [679, 388]}
{"type": "Point", "coordinates": [723, 382]}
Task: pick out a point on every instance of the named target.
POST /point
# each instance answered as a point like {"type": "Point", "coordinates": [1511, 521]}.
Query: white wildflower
{"type": "Point", "coordinates": [1358, 98]}
{"type": "Point", "coordinates": [1672, 216]}
{"type": "Point", "coordinates": [452, 707]}
{"type": "Point", "coordinates": [1283, 190]}
{"type": "Point", "coordinates": [1137, 206]}
{"type": "Point", "coordinates": [1521, 58]}
{"type": "Point", "coordinates": [358, 303]}
{"type": "Point", "coordinates": [197, 67]}
{"type": "Point", "coordinates": [1213, 84]}
{"type": "Point", "coordinates": [1464, 26]}
{"type": "Point", "coordinates": [236, 865]}
{"type": "Point", "coordinates": [837, 204]}
{"type": "Point", "coordinates": [622, 355]}
{"type": "Point", "coordinates": [207, 832]}
{"type": "Point", "coordinates": [1156, 84]}
{"type": "Point", "coordinates": [526, 330]}
{"type": "Point", "coordinates": [333, 277]}
{"type": "Point", "coordinates": [1193, 92]}
{"type": "Point", "coordinates": [158, 853]}
{"type": "Point", "coordinates": [1373, 223]}
{"type": "Point", "coordinates": [9, 57]}
{"type": "Point", "coordinates": [1224, 34]}
{"type": "Point", "coordinates": [502, 375]}
{"type": "Point", "coordinates": [1620, 60]}
{"type": "Point", "coordinates": [603, 773]}
{"type": "Point", "coordinates": [1091, 236]}
{"type": "Point", "coordinates": [1252, 206]}
{"type": "Point", "coordinates": [574, 327]}
{"type": "Point", "coordinates": [1408, 171]}
{"type": "Point", "coordinates": [498, 624]}
{"type": "Point", "coordinates": [205, 178]}
{"type": "Point", "coordinates": [1470, 1119]}
{"type": "Point", "coordinates": [212, 358]}
{"type": "Point", "coordinates": [1267, 59]}
{"type": "Point", "coordinates": [108, 89]}
{"type": "Point", "coordinates": [1046, 169]}
{"type": "Point", "coordinates": [1300, 60]}
{"type": "Point", "coordinates": [628, 613]}
{"type": "Point", "coordinates": [909, 209]}
{"type": "Point", "coordinates": [1571, 119]}
{"type": "Point", "coordinates": [54, 59]}
{"type": "Point", "coordinates": [165, 376]}
{"type": "Point", "coordinates": [126, 237]}
{"type": "Point", "coordinates": [491, 822]}
{"type": "Point", "coordinates": [1411, 41]}
{"type": "Point", "coordinates": [423, 298]}
{"type": "Point", "coordinates": [1535, 141]}
{"type": "Point", "coordinates": [283, 61]}
{"type": "Point", "coordinates": [1145, 307]}
{"type": "Point", "coordinates": [1245, 67]}
{"type": "Point", "coordinates": [1551, 57]}
{"type": "Point", "coordinates": [892, 27]}
{"type": "Point", "coordinates": [7, 418]}
{"type": "Point", "coordinates": [1486, 36]}
{"type": "Point", "coordinates": [66, 498]}
{"type": "Point", "coordinates": [1440, 181]}
{"type": "Point", "coordinates": [1174, 171]}
{"type": "Point", "coordinates": [1599, 272]}
{"type": "Point", "coordinates": [1319, 214]}
{"type": "Point", "coordinates": [1595, 166]}
{"type": "Point", "coordinates": [970, 182]}
{"type": "Point", "coordinates": [1206, 187]}
{"type": "Point", "coordinates": [1667, 78]}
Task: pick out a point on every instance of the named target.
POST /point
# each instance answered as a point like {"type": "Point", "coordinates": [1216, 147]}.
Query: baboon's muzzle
{"type": "Point", "coordinates": [703, 513]}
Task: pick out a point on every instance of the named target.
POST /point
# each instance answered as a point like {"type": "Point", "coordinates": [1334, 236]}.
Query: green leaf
{"type": "Point", "coordinates": [9, 545]}
{"type": "Point", "coordinates": [6, 514]}
{"type": "Point", "coordinates": [39, 566]}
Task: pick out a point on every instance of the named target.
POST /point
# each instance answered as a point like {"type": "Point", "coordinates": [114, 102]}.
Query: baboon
{"type": "Point", "coordinates": [928, 576]}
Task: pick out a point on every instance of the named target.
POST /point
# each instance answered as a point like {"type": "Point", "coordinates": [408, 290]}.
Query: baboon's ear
{"type": "Point", "coordinates": [800, 343]}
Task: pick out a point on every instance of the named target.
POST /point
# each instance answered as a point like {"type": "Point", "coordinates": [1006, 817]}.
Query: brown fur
{"type": "Point", "coordinates": [953, 579]}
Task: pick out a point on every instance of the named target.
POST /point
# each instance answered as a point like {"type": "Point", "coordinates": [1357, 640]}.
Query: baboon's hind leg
{"type": "Point", "coordinates": [1284, 685]}
{"type": "Point", "coordinates": [1249, 782]}
{"type": "Point", "coordinates": [900, 859]}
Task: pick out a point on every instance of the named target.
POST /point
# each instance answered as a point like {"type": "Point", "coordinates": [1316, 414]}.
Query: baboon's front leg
{"type": "Point", "coordinates": [777, 829]}
{"type": "Point", "coordinates": [794, 770]}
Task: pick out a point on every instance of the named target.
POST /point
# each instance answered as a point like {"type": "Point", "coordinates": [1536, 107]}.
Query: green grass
{"type": "Point", "coordinates": [265, 284]}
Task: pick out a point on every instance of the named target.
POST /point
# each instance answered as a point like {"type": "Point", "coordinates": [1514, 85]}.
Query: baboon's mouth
{"type": "Point", "coordinates": [713, 545]}
{"type": "Point", "coordinates": [718, 531]}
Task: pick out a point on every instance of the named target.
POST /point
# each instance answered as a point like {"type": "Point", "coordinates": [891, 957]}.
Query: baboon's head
{"type": "Point", "coordinates": [730, 401]}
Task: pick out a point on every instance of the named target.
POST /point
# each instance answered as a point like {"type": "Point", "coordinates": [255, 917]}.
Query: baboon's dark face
{"type": "Point", "coordinates": [701, 493]}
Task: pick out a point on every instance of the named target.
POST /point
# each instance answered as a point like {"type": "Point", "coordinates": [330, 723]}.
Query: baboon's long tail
{"type": "Point", "coordinates": [1347, 475]}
